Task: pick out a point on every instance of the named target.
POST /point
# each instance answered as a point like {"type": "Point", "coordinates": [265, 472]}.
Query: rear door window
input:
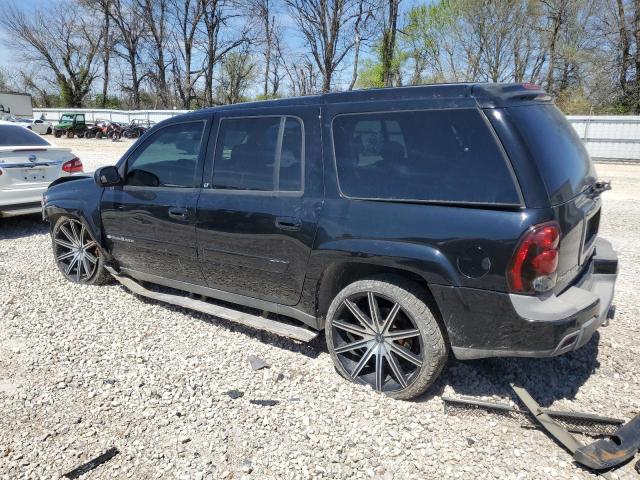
{"type": "Point", "coordinates": [431, 155]}
{"type": "Point", "coordinates": [556, 149]}
{"type": "Point", "coordinates": [259, 153]}
{"type": "Point", "coordinates": [19, 136]}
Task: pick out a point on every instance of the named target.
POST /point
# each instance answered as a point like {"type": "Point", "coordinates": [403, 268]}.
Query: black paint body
{"type": "Point", "coordinates": [290, 253]}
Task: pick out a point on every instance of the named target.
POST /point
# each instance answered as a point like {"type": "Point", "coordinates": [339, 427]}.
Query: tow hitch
{"type": "Point", "coordinates": [619, 442]}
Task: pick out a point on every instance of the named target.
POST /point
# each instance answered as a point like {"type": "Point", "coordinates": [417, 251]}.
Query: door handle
{"type": "Point", "coordinates": [179, 213]}
{"type": "Point", "coordinates": [288, 223]}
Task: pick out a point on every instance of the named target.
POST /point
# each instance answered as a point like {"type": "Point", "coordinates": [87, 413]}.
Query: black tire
{"type": "Point", "coordinates": [400, 375]}
{"type": "Point", "coordinates": [57, 133]}
{"type": "Point", "coordinates": [70, 133]}
{"type": "Point", "coordinates": [89, 134]}
{"type": "Point", "coordinates": [67, 234]}
{"type": "Point", "coordinates": [99, 135]}
{"type": "Point", "coordinates": [48, 131]}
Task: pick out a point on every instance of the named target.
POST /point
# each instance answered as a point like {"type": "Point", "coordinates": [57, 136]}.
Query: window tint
{"type": "Point", "coordinates": [440, 155]}
{"type": "Point", "coordinates": [261, 153]}
{"type": "Point", "coordinates": [556, 148]}
{"type": "Point", "coordinates": [169, 158]}
{"type": "Point", "coordinates": [19, 136]}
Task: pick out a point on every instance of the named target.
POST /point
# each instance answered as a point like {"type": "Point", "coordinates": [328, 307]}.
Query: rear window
{"type": "Point", "coordinates": [19, 136]}
{"type": "Point", "coordinates": [435, 155]}
{"type": "Point", "coordinates": [559, 153]}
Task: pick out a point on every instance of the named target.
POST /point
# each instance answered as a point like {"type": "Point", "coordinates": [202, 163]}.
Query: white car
{"type": "Point", "coordinates": [39, 126]}
{"type": "Point", "coordinates": [28, 164]}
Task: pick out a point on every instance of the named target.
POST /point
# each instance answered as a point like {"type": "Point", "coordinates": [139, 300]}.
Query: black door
{"type": "Point", "coordinates": [149, 221]}
{"type": "Point", "coordinates": [257, 214]}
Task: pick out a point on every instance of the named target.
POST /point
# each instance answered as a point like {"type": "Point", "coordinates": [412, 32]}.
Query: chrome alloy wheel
{"type": "Point", "coordinates": [377, 342]}
{"type": "Point", "coordinates": [75, 250]}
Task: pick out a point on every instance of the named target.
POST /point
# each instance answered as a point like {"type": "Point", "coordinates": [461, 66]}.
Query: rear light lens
{"type": "Point", "coordinates": [535, 260]}
{"type": "Point", "coordinates": [72, 166]}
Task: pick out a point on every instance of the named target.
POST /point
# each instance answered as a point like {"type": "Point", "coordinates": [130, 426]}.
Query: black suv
{"type": "Point", "coordinates": [405, 222]}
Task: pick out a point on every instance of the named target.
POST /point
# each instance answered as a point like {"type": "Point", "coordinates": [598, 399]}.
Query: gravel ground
{"type": "Point", "coordinates": [94, 153]}
{"type": "Point", "coordinates": [84, 368]}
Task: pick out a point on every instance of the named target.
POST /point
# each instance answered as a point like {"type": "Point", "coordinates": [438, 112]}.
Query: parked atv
{"type": "Point", "coordinates": [70, 124]}
{"type": "Point", "coordinates": [136, 128]}
{"type": "Point", "coordinates": [99, 130]}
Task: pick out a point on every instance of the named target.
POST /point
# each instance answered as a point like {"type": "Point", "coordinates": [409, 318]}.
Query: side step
{"type": "Point", "coordinates": [254, 321]}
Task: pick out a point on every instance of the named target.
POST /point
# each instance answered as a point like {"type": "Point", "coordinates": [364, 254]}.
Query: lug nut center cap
{"type": "Point", "coordinates": [379, 338]}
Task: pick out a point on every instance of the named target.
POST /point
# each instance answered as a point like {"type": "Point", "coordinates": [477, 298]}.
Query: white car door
{"type": "Point", "coordinates": [40, 127]}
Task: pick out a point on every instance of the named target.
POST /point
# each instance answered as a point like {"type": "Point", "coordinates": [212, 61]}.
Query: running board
{"type": "Point", "coordinates": [247, 319]}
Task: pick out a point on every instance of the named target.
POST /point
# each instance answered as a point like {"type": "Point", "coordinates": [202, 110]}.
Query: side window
{"type": "Point", "coordinates": [439, 155]}
{"type": "Point", "coordinates": [259, 153]}
{"type": "Point", "coordinates": [169, 157]}
{"type": "Point", "coordinates": [80, 118]}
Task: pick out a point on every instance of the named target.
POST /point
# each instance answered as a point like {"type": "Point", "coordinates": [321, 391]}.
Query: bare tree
{"type": "Point", "coordinates": [216, 16]}
{"type": "Point", "coordinates": [326, 27]}
{"type": "Point", "coordinates": [128, 18]}
{"type": "Point", "coordinates": [155, 14]}
{"type": "Point", "coordinates": [362, 34]}
{"type": "Point", "coordinates": [62, 40]}
{"type": "Point", "coordinates": [188, 16]}
{"type": "Point", "coordinates": [237, 70]}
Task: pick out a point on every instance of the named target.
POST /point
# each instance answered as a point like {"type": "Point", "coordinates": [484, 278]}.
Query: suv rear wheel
{"type": "Point", "coordinates": [381, 332]}
{"type": "Point", "coordinates": [77, 254]}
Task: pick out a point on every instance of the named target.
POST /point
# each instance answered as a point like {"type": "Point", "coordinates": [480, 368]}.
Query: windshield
{"type": "Point", "coordinates": [559, 153]}
{"type": "Point", "coordinates": [66, 118]}
{"type": "Point", "coordinates": [17, 136]}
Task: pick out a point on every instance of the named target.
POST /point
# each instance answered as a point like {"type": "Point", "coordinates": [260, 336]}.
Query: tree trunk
{"type": "Point", "coordinates": [106, 56]}
{"type": "Point", "coordinates": [389, 43]}
{"type": "Point", "coordinates": [625, 56]}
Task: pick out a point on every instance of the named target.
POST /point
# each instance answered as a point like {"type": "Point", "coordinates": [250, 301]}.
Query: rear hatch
{"type": "Point", "coordinates": [569, 177]}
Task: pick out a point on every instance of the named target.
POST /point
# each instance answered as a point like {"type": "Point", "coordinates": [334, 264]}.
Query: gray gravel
{"type": "Point", "coordinates": [83, 369]}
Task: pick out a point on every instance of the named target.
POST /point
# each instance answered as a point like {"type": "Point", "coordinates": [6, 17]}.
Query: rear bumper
{"type": "Point", "coordinates": [21, 201]}
{"type": "Point", "coordinates": [492, 324]}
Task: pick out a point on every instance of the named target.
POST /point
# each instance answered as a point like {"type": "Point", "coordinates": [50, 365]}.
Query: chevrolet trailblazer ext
{"type": "Point", "coordinates": [405, 222]}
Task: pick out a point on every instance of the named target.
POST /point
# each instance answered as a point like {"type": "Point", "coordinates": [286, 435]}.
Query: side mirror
{"type": "Point", "coordinates": [107, 176]}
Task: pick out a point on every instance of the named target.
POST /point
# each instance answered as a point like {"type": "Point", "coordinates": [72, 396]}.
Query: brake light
{"type": "Point", "coordinates": [72, 166]}
{"type": "Point", "coordinates": [535, 262]}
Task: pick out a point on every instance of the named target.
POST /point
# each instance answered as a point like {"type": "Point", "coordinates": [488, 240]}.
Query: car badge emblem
{"type": "Point", "coordinates": [32, 158]}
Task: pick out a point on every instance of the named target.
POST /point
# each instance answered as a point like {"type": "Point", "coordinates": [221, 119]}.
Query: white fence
{"type": "Point", "coordinates": [606, 137]}
{"type": "Point", "coordinates": [122, 116]}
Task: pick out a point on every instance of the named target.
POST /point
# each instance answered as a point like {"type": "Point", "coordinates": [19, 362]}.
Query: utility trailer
{"type": "Point", "coordinates": [16, 104]}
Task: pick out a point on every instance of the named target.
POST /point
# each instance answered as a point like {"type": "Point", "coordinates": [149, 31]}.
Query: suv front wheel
{"type": "Point", "coordinates": [77, 254]}
{"type": "Point", "coordinates": [381, 332]}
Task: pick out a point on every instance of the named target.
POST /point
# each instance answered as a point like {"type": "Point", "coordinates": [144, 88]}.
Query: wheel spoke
{"type": "Point", "coordinates": [347, 327]}
{"type": "Point", "coordinates": [361, 317]}
{"type": "Point", "coordinates": [64, 256]}
{"type": "Point", "coordinates": [71, 264]}
{"type": "Point", "coordinates": [363, 361]}
{"type": "Point", "coordinates": [402, 334]}
{"type": "Point", "coordinates": [90, 244]}
{"type": "Point", "coordinates": [353, 345]}
{"type": "Point", "coordinates": [64, 243]}
{"type": "Point", "coordinates": [74, 231]}
{"type": "Point", "coordinates": [406, 354]}
{"type": "Point", "coordinates": [82, 233]}
{"type": "Point", "coordinates": [374, 310]}
{"type": "Point", "coordinates": [69, 235]}
{"type": "Point", "coordinates": [396, 369]}
{"type": "Point", "coordinates": [86, 268]}
{"type": "Point", "coordinates": [379, 369]}
{"type": "Point", "coordinates": [393, 313]}
{"type": "Point", "coordinates": [90, 257]}
{"type": "Point", "coordinates": [79, 270]}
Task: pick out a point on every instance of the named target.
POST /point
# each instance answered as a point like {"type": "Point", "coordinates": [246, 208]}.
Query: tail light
{"type": "Point", "coordinates": [535, 261]}
{"type": "Point", "coordinates": [72, 166]}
